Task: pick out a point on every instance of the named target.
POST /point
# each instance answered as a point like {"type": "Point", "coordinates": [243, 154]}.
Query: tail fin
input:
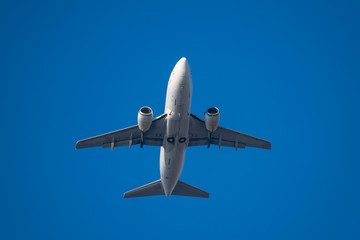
{"type": "Point", "coordinates": [156, 188]}
{"type": "Point", "coordinates": [184, 189]}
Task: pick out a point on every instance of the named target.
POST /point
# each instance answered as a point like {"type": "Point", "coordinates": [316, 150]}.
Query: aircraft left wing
{"type": "Point", "coordinates": [199, 135]}
{"type": "Point", "coordinates": [128, 136]}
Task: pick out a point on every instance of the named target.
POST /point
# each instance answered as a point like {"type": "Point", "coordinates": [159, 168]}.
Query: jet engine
{"type": "Point", "coordinates": [145, 117]}
{"type": "Point", "coordinates": [212, 118]}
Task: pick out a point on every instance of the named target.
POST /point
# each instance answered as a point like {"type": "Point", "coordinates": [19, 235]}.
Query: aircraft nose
{"type": "Point", "coordinates": [184, 60]}
{"type": "Point", "coordinates": [182, 67]}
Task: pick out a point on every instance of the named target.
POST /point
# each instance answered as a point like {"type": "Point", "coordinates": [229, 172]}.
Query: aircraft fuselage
{"type": "Point", "coordinates": [177, 107]}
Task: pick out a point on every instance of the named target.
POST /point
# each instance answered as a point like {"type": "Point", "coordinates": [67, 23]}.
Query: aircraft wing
{"type": "Point", "coordinates": [199, 135]}
{"type": "Point", "coordinates": [128, 136]}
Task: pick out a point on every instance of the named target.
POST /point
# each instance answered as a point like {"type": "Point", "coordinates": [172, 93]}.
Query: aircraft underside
{"type": "Point", "coordinates": [173, 132]}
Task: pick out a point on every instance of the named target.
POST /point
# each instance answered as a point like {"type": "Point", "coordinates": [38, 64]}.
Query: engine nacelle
{"type": "Point", "coordinates": [145, 117]}
{"type": "Point", "coordinates": [212, 118]}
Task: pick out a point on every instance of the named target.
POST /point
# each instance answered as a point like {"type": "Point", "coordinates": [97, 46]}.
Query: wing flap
{"type": "Point", "coordinates": [122, 143]}
{"type": "Point", "coordinates": [128, 136]}
{"type": "Point", "coordinates": [108, 138]}
{"type": "Point", "coordinates": [222, 136]}
{"type": "Point", "coordinates": [235, 139]}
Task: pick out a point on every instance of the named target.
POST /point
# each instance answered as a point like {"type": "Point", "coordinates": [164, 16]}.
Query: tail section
{"type": "Point", "coordinates": [184, 189]}
{"type": "Point", "coordinates": [156, 188]}
{"type": "Point", "coordinates": [150, 189]}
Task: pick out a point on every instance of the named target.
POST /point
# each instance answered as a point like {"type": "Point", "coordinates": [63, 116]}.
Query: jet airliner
{"type": "Point", "coordinates": [173, 131]}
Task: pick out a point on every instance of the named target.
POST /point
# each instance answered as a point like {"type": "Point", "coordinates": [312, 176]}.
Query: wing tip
{"type": "Point", "coordinates": [266, 145]}
{"type": "Point", "coordinates": [77, 145]}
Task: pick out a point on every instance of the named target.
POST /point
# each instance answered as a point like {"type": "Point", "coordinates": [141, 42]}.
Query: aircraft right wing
{"type": "Point", "coordinates": [128, 136]}
{"type": "Point", "coordinates": [199, 135]}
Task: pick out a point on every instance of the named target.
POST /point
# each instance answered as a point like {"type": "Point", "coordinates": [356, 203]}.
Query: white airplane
{"type": "Point", "coordinates": [173, 132]}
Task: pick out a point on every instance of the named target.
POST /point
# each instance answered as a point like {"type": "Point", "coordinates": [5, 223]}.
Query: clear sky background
{"type": "Point", "coordinates": [285, 72]}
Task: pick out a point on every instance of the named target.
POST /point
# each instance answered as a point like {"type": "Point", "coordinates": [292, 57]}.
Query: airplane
{"type": "Point", "coordinates": [173, 131]}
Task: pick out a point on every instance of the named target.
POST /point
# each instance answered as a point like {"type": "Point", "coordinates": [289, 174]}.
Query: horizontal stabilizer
{"type": "Point", "coordinates": [184, 189]}
{"type": "Point", "coordinates": [150, 189]}
{"type": "Point", "coordinates": [156, 188]}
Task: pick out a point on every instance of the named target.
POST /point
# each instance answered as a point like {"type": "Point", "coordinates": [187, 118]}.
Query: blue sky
{"type": "Point", "coordinates": [285, 72]}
